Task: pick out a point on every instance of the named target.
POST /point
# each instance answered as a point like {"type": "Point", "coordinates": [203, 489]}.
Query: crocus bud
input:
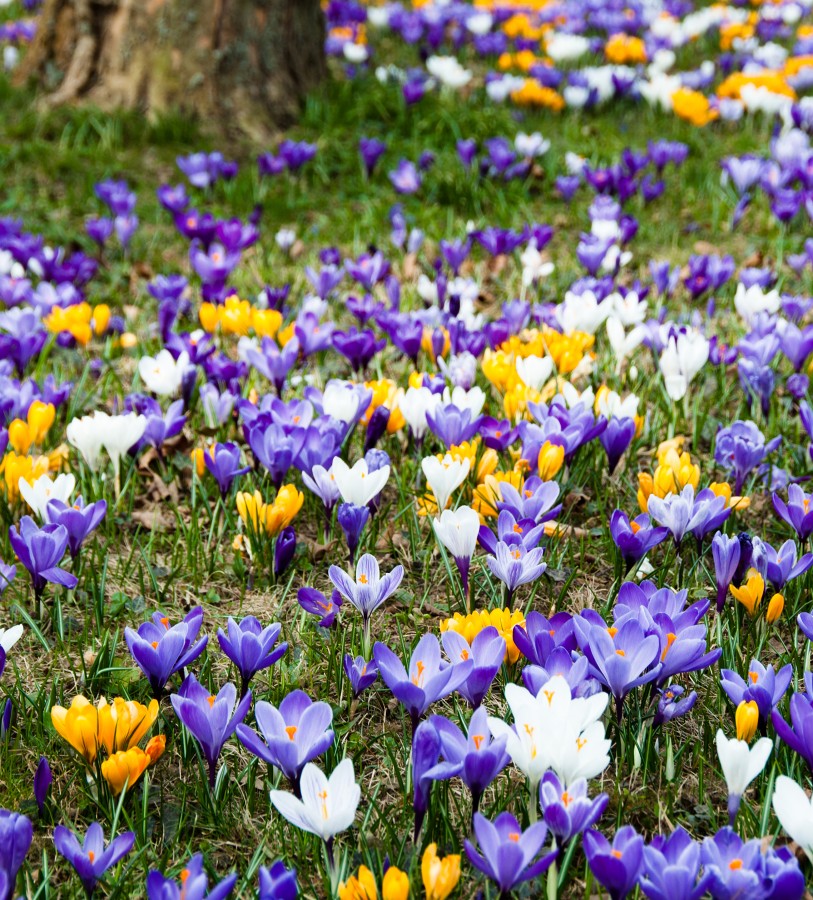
{"type": "Point", "coordinates": [395, 885]}
{"type": "Point", "coordinates": [551, 457]}
{"type": "Point", "coordinates": [42, 783]}
{"type": "Point", "coordinates": [775, 608]}
{"type": "Point", "coordinates": [747, 719]}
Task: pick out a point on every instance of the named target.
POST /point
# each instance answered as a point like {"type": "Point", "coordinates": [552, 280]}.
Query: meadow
{"type": "Point", "coordinates": [419, 505]}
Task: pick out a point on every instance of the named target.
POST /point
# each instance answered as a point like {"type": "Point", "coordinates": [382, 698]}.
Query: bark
{"type": "Point", "coordinates": [242, 66]}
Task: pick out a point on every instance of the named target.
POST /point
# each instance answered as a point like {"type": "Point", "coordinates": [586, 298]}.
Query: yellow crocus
{"type": "Point", "coordinates": [100, 319]}
{"type": "Point", "coordinates": [282, 511]}
{"type": "Point", "coordinates": [359, 887]}
{"type": "Point", "coordinates": [251, 508]}
{"type": "Point", "coordinates": [40, 419]}
{"type": "Point", "coordinates": [113, 727]}
{"type": "Point", "coordinates": [504, 620]}
{"type": "Point", "coordinates": [551, 459]}
{"type": "Point", "coordinates": [19, 436]}
{"type": "Point", "coordinates": [440, 875]}
{"type": "Point", "coordinates": [776, 606]}
{"type": "Point", "coordinates": [15, 467]}
{"type": "Point", "coordinates": [750, 594]}
{"type": "Point", "coordinates": [747, 719]}
{"type": "Point", "coordinates": [395, 885]}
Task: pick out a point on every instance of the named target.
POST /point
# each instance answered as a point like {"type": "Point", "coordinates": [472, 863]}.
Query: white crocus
{"type": "Point", "coordinates": [794, 809]}
{"type": "Point", "coordinates": [87, 435]}
{"type": "Point", "coordinates": [473, 399]}
{"type": "Point", "coordinates": [534, 265]}
{"type": "Point", "coordinates": [342, 400]}
{"type": "Point", "coordinates": [358, 485]}
{"type": "Point", "coordinates": [10, 636]}
{"type": "Point", "coordinates": [534, 371]}
{"type": "Point", "coordinates": [562, 47]}
{"type": "Point", "coordinates": [630, 309]}
{"type": "Point", "coordinates": [45, 489]}
{"type": "Point", "coordinates": [753, 300]}
{"type": "Point", "coordinates": [582, 312]}
{"type": "Point", "coordinates": [123, 433]}
{"type": "Point", "coordinates": [163, 374]}
{"type": "Point", "coordinates": [328, 805]}
{"type": "Point", "coordinates": [683, 357]}
{"type": "Point", "coordinates": [414, 405]}
{"type": "Point", "coordinates": [526, 742]}
{"type": "Point", "coordinates": [444, 476]}
{"type": "Point", "coordinates": [457, 531]}
{"type": "Point", "coordinates": [623, 342]}
{"type": "Point", "coordinates": [610, 405]}
{"type": "Point", "coordinates": [448, 71]}
{"type": "Point", "coordinates": [531, 145]}
{"type": "Point", "coordinates": [740, 764]}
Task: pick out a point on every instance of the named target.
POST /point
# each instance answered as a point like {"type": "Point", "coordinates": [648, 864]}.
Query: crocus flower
{"type": "Point", "coordinates": [429, 678]}
{"type": "Point", "coordinates": [223, 461]}
{"type": "Point", "coordinates": [740, 764]}
{"type": "Point", "coordinates": [476, 757]}
{"type": "Point", "coordinates": [486, 652]}
{"type": "Point", "coordinates": [515, 566]}
{"type": "Point", "coordinates": [40, 550]}
{"type": "Point", "coordinates": [114, 726]}
{"type": "Point", "coordinates": [798, 735]}
{"type": "Point", "coordinates": [439, 874]}
{"type": "Point", "coordinates": [358, 485]}
{"type": "Point", "coordinates": [44, 489]}
{"type": "Point", "coordinates": [194, 884]}
{"type": "Point", "coordinates": [507, 855]}
{"type": "Point", "coordinates": [292, 736]}
{"type": "Point", "coordinates": [743, 869]}
{"type": "Point", "coordinates": [163, 374]}
{"type": "Point", "coordinates": [160, 650]}
{"type": "Point", "coordinates": [361, 674]}
{"type": "Point", "coordinates": [763, 686]}
{"type": "Point", "coordinates": [740, 448]}
{"type": "Point", "coordinates": [725, 551]}
{"type": "Point", "coordinates": [796, 512]}
{"type": "Point", "coordinates": [79, 519]}
{"type": "Point", "coordinates": [91, 859]}
{"type": "Point", "coordinates": [16, 833]}
{"type": "Point", "coordinates": [352, 520]}
{"type": "Point", "coordinates": [671, 868]}
{"type": "Point", "coordinates": [251, 647]}
{"type": "Point", "coordinates": [211, 719]}
{"type": "Point", "coordinates": [42, 783]}
{"type": "Point", "coordinates": [328, 805]}
{"type": "Point", "coordinates": [615, 866]}
{"type": "Point", "coordinates": [444, 477]}
{"type": "Point", "coordinates": [782, 565]}
{"type": "Point", "coordinates": [636, 537]}
{"type": "Point", "coordinates": [569, 811]}
{"type": "Point", "coordinates": [277, 882]}
{"type": "Point", "coordinates": [369, 590]}
{"type": "Point", "coordinates": [457, 531]}
{"type": "Point", "coordinates": [315, 603]}
{"type": "Point", "coordinates": [795, 813]}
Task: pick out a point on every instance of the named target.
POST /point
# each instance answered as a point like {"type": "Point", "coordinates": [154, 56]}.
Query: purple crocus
{"type": "Point", "coordinates": [477, 757]}
{"type": "Point", "coordinates": [371, 150]}
{"type": "Point", "coordinates": [621, 661]}
{"type": "Point", "coordinates": [725, 551]}
{"type": "Point", "coordinates": [671, 868]}
{"type": "Point", "coordinates": [90, 858]}
{"type": "Point", "coordinates": [405, 177]}
{"type": "Point", "coordinates": [765, 687]}
{"type": "Point", "coordinates": [277, 882]}
{"type": "Point", "coordinates": [568, 812]}
{"type": "Point", "coordinates": [223, 461]}
{"type": "Point", "coordinates": [740, 448]}
{"type": "Point", "coordinates": [515, 566]}
{"type": "Point", "coordinates": [251, 647]}
{"type": "Point", "coordinates": [672, 704]}
{"type": "Point", "coordinates": [292, 736]}
{"type": "Point", "coordinates": [211, 719]}
{"type": "Point", "coordinates": [486, 652]}
{"type": "Point", "coordinates": [79, 520]}
{"type": "Point", "coordinates": [429, 678]}
{"type": "Point", "coordinates": [42, 783]}
{"type": "Point", "coordinates": [742, 869]}
{"type": "Point", "coordinates": [160, 650]}
{"type": "Point", "coordinates": [369, 590]}
{"type": "Point", "coordinates": [798, 735]}
{"type": "Point", "coordinates": [779, 566]}
{"type": "Point", "coordinates": [507, 854]}
{"type": "Point", "coordinates": [635, 538]}
{"type": "Point", "coordinates": [194, 884]}
{"type": "Point", "coordinates": [536, 500]}
{"type": "Point", "coordinates": [16, 832]}
{"type": "Point", "coordinates": [352, 520]}
{"type": "Point", "coordinates": [796, 512]}
{"type": "Point", "coordinates": [314, 602]}
{"type": "Point", "coordinates": [41, 550]}
{"type": "Point", "coordinates": [615, 866]}
{"type": "Point", "coordinates": [360, 673]}
{"type": "Point", "coordinates": [616, 438]}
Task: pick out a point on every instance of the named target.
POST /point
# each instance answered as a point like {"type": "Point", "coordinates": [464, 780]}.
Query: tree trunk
{"type": "Point", "coordinates": [242, 66]}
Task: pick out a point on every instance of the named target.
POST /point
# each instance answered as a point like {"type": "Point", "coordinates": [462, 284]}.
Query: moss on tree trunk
{"type": "Point", "coordinates": [242, 66]}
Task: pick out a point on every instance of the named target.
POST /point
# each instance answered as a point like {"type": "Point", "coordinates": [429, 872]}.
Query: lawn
{"type": "Point", "coordinates": [711, 296]}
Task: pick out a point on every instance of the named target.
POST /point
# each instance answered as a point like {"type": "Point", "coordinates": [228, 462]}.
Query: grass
{"type": "Point", "coordinates": [166, 544]}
